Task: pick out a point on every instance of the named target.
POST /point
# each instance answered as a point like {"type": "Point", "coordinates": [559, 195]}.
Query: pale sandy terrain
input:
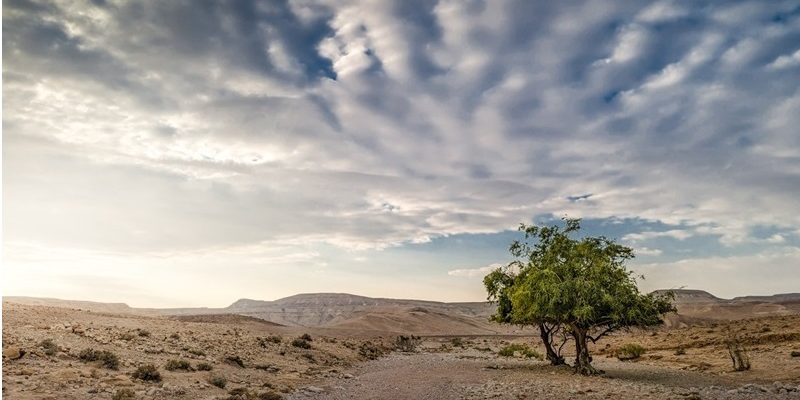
{"type": "Point", "coordinates": [339, 364]}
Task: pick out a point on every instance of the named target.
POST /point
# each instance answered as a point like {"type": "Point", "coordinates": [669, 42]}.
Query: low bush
{"type": "Point", "coordinates": [369, 350]}
{"type": "Point", "coordinates": [795, 353]}
{"type": "Point", "coordinates": [218, 381]}
{"type": "Point", "coordinates": [196, 352]}
{"type": "Point", "coordinates": [301, 343]}
{"type": "Point", "coordinates": [266, 341]}
{"type": "Point", "coordinates": [144, 333]}
{"type": "Point", "coordinates": [176, 365]}
{"type": "Point", "coordinates": [680, 351]}
{"type": "Point", "coordinates": [204, 367]}
{"type": "Point", "coordinates": [512, 349]}
{"type": "Point", "coordinates": [147, 373]}
{"type": "Point", "coordinates": [306, 337]}
{"type": "Point", "coordinates": [235, 361]}
{"type": "Point", "coordinates": [175, 336]}
{"type": "Point", "coordinates": [630, 351]}
{"type": "Point", "coordinates": [49, 347]}
{"type": "Point", "coordinates": [107, 358]}
{"type": "Point", "coordinates": [457, 342]}
{"type": "Point", "coordinates": [406, 344]}
{"type": "Point", "coordinates": [124, 394]}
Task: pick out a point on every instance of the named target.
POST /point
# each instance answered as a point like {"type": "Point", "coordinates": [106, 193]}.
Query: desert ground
{"type": "Point", "coordinates": [68, 353]}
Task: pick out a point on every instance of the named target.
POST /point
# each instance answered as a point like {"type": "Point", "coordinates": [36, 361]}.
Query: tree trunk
{"type": "Point", "coordinates": [583, 361]}
{"type": "Point", "coordinates": [552, 355]}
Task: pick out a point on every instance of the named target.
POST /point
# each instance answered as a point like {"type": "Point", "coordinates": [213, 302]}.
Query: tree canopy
{"type": "Point", "coordinates": [581, 284]}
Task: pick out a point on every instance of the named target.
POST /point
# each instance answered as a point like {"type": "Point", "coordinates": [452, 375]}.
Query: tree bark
{"type": "Point", "coordinates": [583, 361]}
{"type": "Point", "coordinates": [552, 355]}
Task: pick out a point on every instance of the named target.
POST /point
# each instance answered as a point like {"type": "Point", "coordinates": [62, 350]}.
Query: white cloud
{"type": "Point", "coordinates": [786, 61]}
{"type": "Point", "coordinates": [646, 251]}
{"type": "Point", "coordinates": [474, 272]}
{"type": "Point", "coordinates": [680, 234]}
{"type": "Point", "coordinates": [366, 126]}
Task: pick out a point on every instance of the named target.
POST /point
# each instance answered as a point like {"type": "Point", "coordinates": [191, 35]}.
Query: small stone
{"type": "Point", "coordinates": [13, 353]}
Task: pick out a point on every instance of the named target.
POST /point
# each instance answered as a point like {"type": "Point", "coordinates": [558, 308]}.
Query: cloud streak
{"type": "Point", "coordinates": [171, 127]}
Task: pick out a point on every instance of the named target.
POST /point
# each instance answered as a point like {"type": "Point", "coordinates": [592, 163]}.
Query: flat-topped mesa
{"type": "Point", "coordinates": [686, 296]}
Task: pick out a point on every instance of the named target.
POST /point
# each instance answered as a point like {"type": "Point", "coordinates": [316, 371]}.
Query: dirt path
{"type": "Point", "coordinates": [464, 376]}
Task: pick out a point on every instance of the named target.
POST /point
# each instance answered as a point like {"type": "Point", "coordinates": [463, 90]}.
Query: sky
{"type": "Point", "coordinates": [190, 153]}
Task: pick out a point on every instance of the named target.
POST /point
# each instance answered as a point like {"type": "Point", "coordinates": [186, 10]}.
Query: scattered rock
{"type": "Point", "coordinates": [13, 353]}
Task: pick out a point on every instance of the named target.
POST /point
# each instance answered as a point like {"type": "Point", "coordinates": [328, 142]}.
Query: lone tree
{"type": "Point", "coordinates": [581, 284]}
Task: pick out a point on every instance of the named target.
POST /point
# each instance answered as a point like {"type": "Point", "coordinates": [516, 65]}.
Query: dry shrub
{"type": "Point", "coordinates": [630, 351]}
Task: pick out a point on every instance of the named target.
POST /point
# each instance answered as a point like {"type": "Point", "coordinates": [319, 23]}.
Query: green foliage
{"type": "Point", "coordinates": [124, 394]}
{"type": "Point", "coordinates": [578, 283]}
{"type": "Point", "coordinates": [218, 381]}
{"type": "Point", "coordinates": [49, 347]}
{"type": "Point", "coordinates": [204, 367]}
{"type": "Point", "coordinates": [523, 349]}
{"type": "Point", "coordinates": [147, 373]}
{"type": "Point", "coordinates": [630, 351]}
{"type": "Point", "coordinates": [301, 343]}
{"type": "Point", "coordinates": [108, 359]}
{"type": "Point", "coordinates": [175, 365]}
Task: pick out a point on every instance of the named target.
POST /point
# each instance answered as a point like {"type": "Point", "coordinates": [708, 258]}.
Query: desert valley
{"type": "Point", "coordinates": [340, 346]}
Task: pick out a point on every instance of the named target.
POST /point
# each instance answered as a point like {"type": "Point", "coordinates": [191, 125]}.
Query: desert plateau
{"type": "Point", "coordinates": [364, 348]}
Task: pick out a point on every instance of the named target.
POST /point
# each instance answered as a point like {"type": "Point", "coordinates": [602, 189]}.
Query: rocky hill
{"type": "Point", "coordinates": [352, 312]}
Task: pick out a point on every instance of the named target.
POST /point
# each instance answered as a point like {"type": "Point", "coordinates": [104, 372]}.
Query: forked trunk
{"type": "Point", "coordinates": [583, 361]}
{"type": "Point", "coordinates": [552, 355]}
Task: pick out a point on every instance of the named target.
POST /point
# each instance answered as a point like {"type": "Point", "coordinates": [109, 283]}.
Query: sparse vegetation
{"type": "Point", "coordinates": [49, 347]}
{"type": "Point", "coordinates": [178, 365]}
{"type": "Point", "coordinates": [370, 350]}
{"type": "Point", "coordinates": [204, 366]}
{"type": "Point", "coordinates": [406, 344]}
{"type": "Point", "coordinates": [108, 359]}
{"type": "Point", "coordinates": [272, 339]}
{"type": "Point", "coordinates": [147, 373]}
{"type": "Point", "coordinates": [457, 342]}
{"type": "Point", "coordinates": [306, 337]}
{"type": "Point", "coordinates": [680, 351]}
{"type": "Point", "coordinates": [737, 352]}
{"type": "Point", "coordinates": [218, 381]}
{"type": "Point", "coordinates": [143, 333]}
{"type": "Point", "coordinates": [124, 394]}
{"type": "Point", "coordinates": [196, 352]}
{"type": "Point", "coordinates": [524, 350]}
{"type": "Point", "coordinates": [795, 353]}
{"type": "Point", "coordinates": [127, 336]}
{"type": "Point", "coordinates": [630, 351]}
{"type": "Point", "coordinates": [175, 336]}
{"type": "Point", "coordinates": [235, 361]}
{"type": "Point", "coordinates": [301, 343]}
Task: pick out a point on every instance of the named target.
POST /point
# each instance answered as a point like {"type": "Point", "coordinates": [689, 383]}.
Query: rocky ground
{"type": "Point", "coordinates": [45, 356]}
{"type": "Point", "coordinates": [254, 360]}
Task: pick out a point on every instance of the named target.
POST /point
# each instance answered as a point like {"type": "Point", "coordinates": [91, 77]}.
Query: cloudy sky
{"type": "Point", "coordinates": [186, 153]}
